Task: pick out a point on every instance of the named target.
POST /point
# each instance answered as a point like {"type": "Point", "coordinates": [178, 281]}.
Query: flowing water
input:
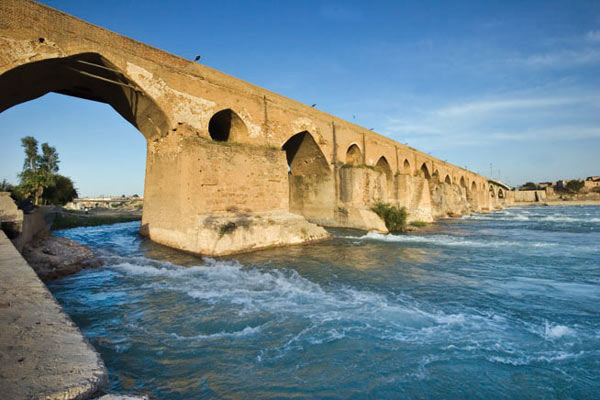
{"type": "Point", "coordinates": [503, 305]}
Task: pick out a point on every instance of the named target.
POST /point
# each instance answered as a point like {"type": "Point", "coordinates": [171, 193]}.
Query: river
{"type": "Point", "coordinates": [502, 305]}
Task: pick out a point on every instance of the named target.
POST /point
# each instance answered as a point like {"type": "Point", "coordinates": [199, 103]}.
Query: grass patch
{"type": "Point", "coordinates": [418, 224]}
{"type": "Point", "coordinates": [394, 217]}
{"type": "Point", "coordinates": [68, 221]}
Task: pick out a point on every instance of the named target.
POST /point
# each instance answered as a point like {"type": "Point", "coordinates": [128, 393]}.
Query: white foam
{"type": "Point", "coordinates": [557, 331]}
{"type": "Point", "coordinates": [247, 331]}
{"type": "Point", "coordinates": [447, 240]}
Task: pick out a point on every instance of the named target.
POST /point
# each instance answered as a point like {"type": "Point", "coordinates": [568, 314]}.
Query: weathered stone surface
{"type": "Point", "coordinates": [43, 355]}
{"type": "Point", "coordinates": [222, 233]}
{"type": "Point", "coordinates": [52, 257]}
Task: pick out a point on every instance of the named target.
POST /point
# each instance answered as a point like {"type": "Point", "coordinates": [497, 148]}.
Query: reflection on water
{"type": "Point", "coordinates": [498, 305]}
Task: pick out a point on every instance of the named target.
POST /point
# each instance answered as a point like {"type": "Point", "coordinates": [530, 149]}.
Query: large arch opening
{"type": "Point", "coordinates": [384, 167]}
{"type": "Point", "coordinates": [88, 76]}
{"type": "Point", "coordinates": [353, 155]}
{"type": "Point", "coordinates": [312, 192]}
{"type": "Point", "coordinates": [226, 125]}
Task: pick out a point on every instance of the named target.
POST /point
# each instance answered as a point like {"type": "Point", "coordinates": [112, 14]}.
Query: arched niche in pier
{"type": "Point", "coordinates": [311, 186]}
{"type": "Point", "coordinates": [353, 155]}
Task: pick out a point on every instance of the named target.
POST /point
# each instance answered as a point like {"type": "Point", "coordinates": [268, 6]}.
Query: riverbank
{"type": "Point", "coordinates": [67, 219]}
{"type": "Point", "coordinates": [557, 203]}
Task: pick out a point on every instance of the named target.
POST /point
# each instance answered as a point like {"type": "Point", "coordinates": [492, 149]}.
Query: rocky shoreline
{"type": "Point", "coordinates": [52, 257]}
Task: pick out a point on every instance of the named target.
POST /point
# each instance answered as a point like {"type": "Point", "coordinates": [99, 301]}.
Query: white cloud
{"type": "Point", "coordinates": [539, 118]}
{"type": "Point", "coordinates": [593, 36]}
{"type": "Point", "coordinates": [485, 107]}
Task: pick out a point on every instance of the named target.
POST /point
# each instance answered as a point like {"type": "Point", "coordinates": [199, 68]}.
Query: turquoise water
{"type": "Point", "coordinates": [504, 305]}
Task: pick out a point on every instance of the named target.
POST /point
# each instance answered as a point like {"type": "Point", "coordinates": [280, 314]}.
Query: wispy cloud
{"type": "Point", "coordinates": [560, 59]}
{"type": "Point", "coordinates": [510, 118]}
{"type": "Point", "coordinates": [494, 106]}
{"type": "Point", "coordinates": [593, 36]}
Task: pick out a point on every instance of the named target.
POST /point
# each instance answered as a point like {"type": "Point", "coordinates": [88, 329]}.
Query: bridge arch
{"type": "Point", "coordinates": [500, 193]}
{"type": "Point", "coordinates": [354, 155]}
{"type": "Point", "coordinates": [448, 180]}
{"type": "Point", "coordinates": [311, 186]}
{"type": "Point", "coordinates": [492, 192]}
{"type": "Point", "coordinates": [406, 167]}
{"type": "Point", "coordinates": [226, 125]}
{"type": "Point", "coordinates": [384, 166]}
{"type": "Point", "coordinates": [424, 171]}
{"type": "Point", "coordinates": [88, 76]}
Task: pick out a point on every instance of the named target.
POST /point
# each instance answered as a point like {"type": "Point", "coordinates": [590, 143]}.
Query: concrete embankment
{"type": "Point", "coordinates": [43, 355]}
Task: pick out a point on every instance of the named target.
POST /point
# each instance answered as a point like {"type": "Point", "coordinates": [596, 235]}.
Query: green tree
{"type": "Point", "coordinates": [39, 171]}
{"type": "Point", "coordinates": [60, 192]}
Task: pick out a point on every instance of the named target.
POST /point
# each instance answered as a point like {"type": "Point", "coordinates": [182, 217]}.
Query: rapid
{"type": "Point", "coordinates": [500, 305]}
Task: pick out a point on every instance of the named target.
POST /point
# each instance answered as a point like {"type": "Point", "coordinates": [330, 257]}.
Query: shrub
{"type": "Point", "coordinates": [227, 228]}
{"type": "Point", "coordinates": [394, 217]}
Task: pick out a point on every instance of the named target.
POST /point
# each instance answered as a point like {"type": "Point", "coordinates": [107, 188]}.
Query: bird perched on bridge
{"type": "Point", "coordinates": [314, 105]}
{"type": "Point", "coordinates": [197, 58]}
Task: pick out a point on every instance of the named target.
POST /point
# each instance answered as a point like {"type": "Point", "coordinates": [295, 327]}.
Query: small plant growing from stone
{"type": "Point", "coordinates": [393, 216]}
{"type": "Point", "coordinates": [227, 228]}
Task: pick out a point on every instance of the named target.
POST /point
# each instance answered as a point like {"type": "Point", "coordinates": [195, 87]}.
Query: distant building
{"type": "Point", "coordinates": [591, 182]}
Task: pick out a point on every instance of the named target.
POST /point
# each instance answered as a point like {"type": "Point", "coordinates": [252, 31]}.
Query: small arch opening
{"type": "Point", "coordinates": [474, 187]}
{"type": "Point", "coordinates": [226, 125]}
{"type": "Point", "coordinates": [425, 171]}
{"type": "Point", "coordinates": [406, 167]}
{"type": "Point", "coordinates": [353, 155]}
{"type": "Point", "coordinates": [500, 194]}
{"type": "Point", "coordinates": [492, 194]}
{"type": "Point", "coordinates": [448, 180]}
{"type": "Point", "coordinates": [462, 182]}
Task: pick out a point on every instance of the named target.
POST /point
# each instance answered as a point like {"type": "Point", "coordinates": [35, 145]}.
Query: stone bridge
{"type": "Point", "coordinates": [230, 166]}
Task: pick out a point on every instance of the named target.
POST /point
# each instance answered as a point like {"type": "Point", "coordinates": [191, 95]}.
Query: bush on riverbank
{"type": "Point", "coordinates": [394, 217]}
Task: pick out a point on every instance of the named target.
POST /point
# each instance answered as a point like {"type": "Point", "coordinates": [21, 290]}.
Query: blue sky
{"type": "Point", "coordinates": [513, 84]}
